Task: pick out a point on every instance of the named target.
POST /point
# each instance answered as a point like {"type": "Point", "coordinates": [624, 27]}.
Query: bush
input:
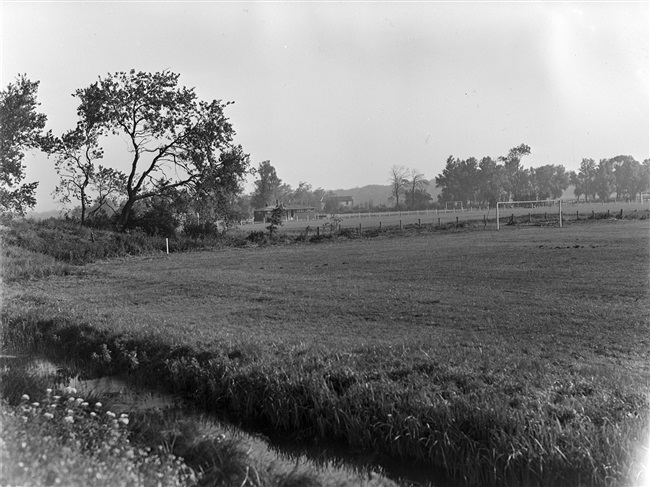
{"type": "Point", "coordinates": [201, 230]}
{"type": "Point", "coordinates": [257, 237]}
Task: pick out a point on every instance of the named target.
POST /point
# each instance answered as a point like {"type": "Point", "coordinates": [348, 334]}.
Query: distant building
{"type": "Point", "coordinates": [338, 202]}
{"type": "Point", "coordinates": [291, 213]}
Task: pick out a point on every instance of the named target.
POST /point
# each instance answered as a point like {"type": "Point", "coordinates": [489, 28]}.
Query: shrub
{"type": "Point", "coordinates": [257, 237]}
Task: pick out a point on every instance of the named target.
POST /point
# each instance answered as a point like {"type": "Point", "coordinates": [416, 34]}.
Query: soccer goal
{"type": "Point", "coordinates": [522, 208]}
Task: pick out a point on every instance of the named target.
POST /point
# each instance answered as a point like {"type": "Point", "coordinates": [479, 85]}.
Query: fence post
{"type": "Point", "coordinates": [529, 218]}
{"type": "Point", "coordinates": [484, 221]}
{"type": "Point", "coordinates": [167, 245]}
{"type": "Point", "coordinates": [419, 223]}
{"type": "Point", "coordinates": [359, 228]}
{"type": "Point", "coordinates": [379, 224]}
{"type": "Point", "coordinates": [593, 215]}
{"type": "Point", "coordinates": [318, 231]}
{"type": "Point", "coordinates": [400, 224]}
{"type": "Point", "coordinates": [577, 214]}
{"type": "Point", "coordinates": [456, 222]}
{"type": "Point", "coordinates": [621, 213]}
{"type": "Point", "coordinates": [438, 222]}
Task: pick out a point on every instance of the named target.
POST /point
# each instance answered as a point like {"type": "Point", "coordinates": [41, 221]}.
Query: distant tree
{"type": "Point", "coordinates": [628, 179]}
{"type": "Point", "coordinates": [517, 182]}
{"type": "Point", "coordinates": [266, 185]}
{"type": "Point", "coordinates": [459, 180]}
{"type": "Point", "coordinates": [644, 184]}
{"type": "Point", "coordinates": [174, 139]}
{"type": "Point", "coordinates": [549, 181]}
{"type": "Point", "coordinates": [20, 130]}
{"type": "Point", "coordinates": [398, 182]}
{"type": "Point", "coordinates": [284, 193]}
{"type": "Point", "coordinates": [75, 154]}
{"type": "Point", "coordinates": [490, 181]}
{"type": "Point", "coordinates": [605, 181]}
{"type": "Point", "coordinates": [276, 219]}
{"type": "Point", "coordinates": [416, 185]}
{"type": "Point", "coordinates": [585, 179]}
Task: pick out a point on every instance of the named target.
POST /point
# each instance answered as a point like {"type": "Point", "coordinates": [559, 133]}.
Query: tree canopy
{"type": "Point", "coordinates": [20, 129]}
{"type": "Point", "coordinates": [175, 140]}
{"type": "Point", "coordinates": [489, 181]}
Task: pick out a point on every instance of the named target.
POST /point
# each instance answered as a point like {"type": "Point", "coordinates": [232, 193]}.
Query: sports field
{"type": "Point", "coordinates": [479, 351]}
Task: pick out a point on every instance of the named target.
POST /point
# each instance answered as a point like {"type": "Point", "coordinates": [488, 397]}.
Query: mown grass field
{"type": "Point", "coordinates": [520, 356]}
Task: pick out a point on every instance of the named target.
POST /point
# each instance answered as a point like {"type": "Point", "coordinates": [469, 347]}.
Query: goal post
{"type": "Point", "coordinates": [529, 205]}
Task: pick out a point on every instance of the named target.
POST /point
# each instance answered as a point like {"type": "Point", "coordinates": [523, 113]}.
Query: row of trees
{"type": "Point", "coordinates": [180, 148]}
{"type": "Point", "coordinates": [621, 175]}
{"type": "Point", "coordinates": [488, 181]}
{"type": "Point", "coordinates": [181, 159]}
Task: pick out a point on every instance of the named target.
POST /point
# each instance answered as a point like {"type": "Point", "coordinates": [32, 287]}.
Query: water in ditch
{"type": "Point", "coordinates": [335, 464]}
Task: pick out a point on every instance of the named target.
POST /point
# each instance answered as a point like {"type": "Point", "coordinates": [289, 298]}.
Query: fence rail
{"type": "Point", "coordinates": [449, 219]}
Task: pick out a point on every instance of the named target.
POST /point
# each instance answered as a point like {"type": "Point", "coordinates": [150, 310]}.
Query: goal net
{"type": "Point", "coordinates": [529, 211]}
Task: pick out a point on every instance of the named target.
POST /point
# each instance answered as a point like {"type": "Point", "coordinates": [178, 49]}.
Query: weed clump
{"type": "Point", "coordinates": [63, 439]}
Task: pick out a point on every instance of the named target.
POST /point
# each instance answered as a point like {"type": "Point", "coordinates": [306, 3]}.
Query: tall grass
{"type": "Point", "coordinates": [480, 425]}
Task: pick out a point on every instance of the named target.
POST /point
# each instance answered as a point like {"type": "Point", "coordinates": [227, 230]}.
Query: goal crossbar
{"type": "Point", "coordinates": [558, 201]}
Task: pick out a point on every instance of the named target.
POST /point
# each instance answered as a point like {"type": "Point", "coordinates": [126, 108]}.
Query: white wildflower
{"type": "Point", "coordinates": [25, 397]}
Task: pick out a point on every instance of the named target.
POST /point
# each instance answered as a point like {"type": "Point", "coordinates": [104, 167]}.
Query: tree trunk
{"type": "Point", "coordinates": [83, 208]}
{"type": "Point", "coordinates": [124, 215]}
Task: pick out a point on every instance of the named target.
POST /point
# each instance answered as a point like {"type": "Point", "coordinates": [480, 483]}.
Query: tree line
{"type": "Point", "coordinates": [504, 179]}
{"type": "Point", "coordinates": [182, 160]}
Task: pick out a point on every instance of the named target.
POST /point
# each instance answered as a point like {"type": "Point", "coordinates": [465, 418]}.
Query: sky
{"type": "Point", "coordinates": [335, 93]}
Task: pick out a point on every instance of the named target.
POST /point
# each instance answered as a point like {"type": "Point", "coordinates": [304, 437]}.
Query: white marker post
{"type": "Point", "coordinates": [167, 245]}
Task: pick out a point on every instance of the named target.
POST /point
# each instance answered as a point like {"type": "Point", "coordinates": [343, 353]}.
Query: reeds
{"type": "Point", "coordinates": [481, 426]}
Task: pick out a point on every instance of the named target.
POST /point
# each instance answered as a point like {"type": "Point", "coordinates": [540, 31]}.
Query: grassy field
{"type": "Point", "coordinates": [520, 356]}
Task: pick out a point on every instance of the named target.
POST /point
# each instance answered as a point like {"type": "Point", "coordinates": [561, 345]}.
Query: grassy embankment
{"type": "Point", "coordinates": [519, 357]}
{"type": "Point", "coordinates": [50, 435]}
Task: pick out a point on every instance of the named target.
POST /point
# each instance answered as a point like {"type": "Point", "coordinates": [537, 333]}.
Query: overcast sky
{"type": "Point", "coordinates": [334, 94]}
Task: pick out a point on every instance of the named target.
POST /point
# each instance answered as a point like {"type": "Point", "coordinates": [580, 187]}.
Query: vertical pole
{"type": "Point", "coordinates": [419, 223]}
{"type": "Point", "coordinates": [379, 224]}
{"type": "Point", "coordinates": [167, 245]}
{"type": "Point", "coordinates": [560, 213]}
{"type": "Point", "coordinates": [400, 224]}
{"type": "Point", "coordinates": [456, 222]}
{"type": "Point", "coordinates": [497, 216]}
{"type": "Point", "coordinates": [438, 222]}
{"type": "Point", "coordinates": [577, 214]}
{"type": "Point", "coordinates": [318, 231]}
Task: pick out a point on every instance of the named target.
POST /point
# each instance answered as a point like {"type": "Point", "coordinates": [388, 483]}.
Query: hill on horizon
{"type": "Point", "coordinates": [379, 194]}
